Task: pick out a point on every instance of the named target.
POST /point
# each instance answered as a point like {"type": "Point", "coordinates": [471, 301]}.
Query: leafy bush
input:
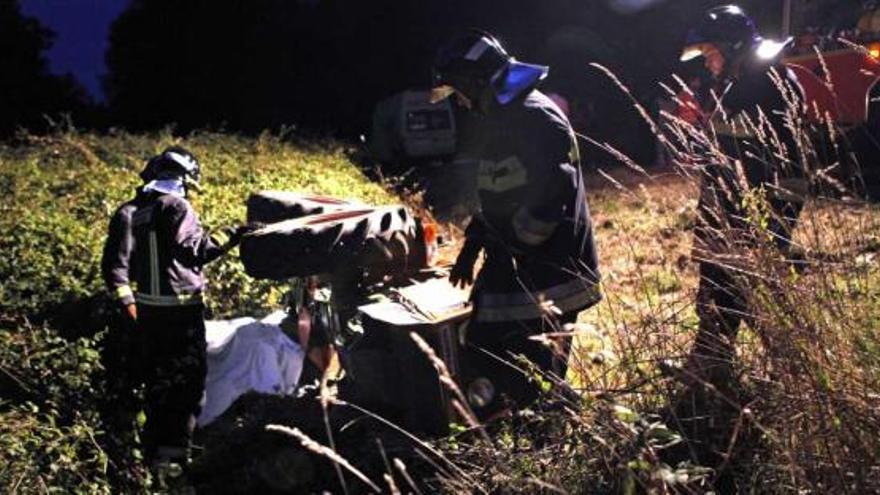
{"type": "Point", "coordinates": [59, 192]}
{"type": "Point", "coordinates": [49, 425]}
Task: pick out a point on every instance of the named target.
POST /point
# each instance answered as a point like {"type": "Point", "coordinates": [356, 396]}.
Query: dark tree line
{"type": "Point", "coordinates": [321, 65]}
{"type": "Point", "coordinates": [29, 95]}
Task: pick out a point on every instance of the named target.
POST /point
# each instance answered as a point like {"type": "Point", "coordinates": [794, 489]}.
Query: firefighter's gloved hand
{"type": "Point", "coordinates": [131, 311]}
{"type": "Point", "coordinates": [234, 234]}
{"type": "Point", "coordinates": [462, 273]}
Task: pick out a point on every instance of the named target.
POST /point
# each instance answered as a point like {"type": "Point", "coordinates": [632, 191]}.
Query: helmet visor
{"type": "Point", "coordinates": [515, 78]}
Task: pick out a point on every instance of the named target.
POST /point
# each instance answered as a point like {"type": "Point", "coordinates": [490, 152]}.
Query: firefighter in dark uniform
{"type": "Point", "coordinates": [744, 66]}
{"type": "Point", "coordinates": [540, 266]}
{"type": "Point", "coordinates": [170, 249]}
{"type": "Point", "coordinates": [121, 355]}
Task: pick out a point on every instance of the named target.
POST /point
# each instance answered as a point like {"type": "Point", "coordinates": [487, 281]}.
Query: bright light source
{"type": "Point", "coordinates": [769, 49]}
{"type": "Point", "coordinates": [874, 50]}
{"type": "Point", "coordinates": [691, 52]}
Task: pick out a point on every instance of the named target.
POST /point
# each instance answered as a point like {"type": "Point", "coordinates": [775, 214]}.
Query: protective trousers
{"type": "Point", "coordinates": [720, 308]}
{"type": "Point", "coordinates": [492, 351]}
{"type": "Point", "coordinates": [175, 368]}
{"type": "Point", "coordinates": [122, 359]}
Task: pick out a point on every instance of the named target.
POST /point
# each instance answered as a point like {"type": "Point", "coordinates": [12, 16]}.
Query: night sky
{"type": "Point", "coordinates": [81, 28]}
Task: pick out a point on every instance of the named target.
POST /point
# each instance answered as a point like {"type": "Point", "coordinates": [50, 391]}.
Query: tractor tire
{"type": "Point", "coordinates": [380, 240]}
{"type": "Point", "coordinates": [276, 206]}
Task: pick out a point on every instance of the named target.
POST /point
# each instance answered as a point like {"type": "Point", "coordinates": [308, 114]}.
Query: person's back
{"type": "Point", "coordinates": [170, 248]}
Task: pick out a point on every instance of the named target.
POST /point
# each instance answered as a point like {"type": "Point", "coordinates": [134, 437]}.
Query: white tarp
{"type": "Point", "coordinates": [245, 355]}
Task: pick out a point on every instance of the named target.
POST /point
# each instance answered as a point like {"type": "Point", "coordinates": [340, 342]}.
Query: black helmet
{"type": "Point", "coordinates": [728, 27]}
{"type": "Point", "coordinates": [174, 162]}
{"type": "Point", "coordinates": [475, 60]}
{"type": "Point", "coordinates": [149, 172]}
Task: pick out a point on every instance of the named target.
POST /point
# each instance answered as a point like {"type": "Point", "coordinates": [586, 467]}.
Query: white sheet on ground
{"type": "Point", "coordinates": [246, 354]}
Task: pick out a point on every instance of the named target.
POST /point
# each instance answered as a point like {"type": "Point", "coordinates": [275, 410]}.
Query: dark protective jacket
{"type": "Point", "coordinates": [170, 249]}
{"type": "Point", "coordinates": [751, 128]}
{"type": "Point", "coordinates": [534, 223]}
{"type": "Point", "coordinates": [116, 258]}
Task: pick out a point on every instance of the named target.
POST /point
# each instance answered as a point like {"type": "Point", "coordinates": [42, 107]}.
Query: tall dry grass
{"type": "Point", "coordinates": [801, 410]}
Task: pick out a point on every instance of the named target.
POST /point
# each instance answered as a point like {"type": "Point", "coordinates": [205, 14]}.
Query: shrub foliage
{"type": "Point", "coordinates": [59, 192]}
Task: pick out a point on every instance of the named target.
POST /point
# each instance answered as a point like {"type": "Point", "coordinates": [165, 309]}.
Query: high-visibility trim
{"type": "Point", "coordinates": [178, 300]}
{"type": "Point", "coordinates": [123, 292]}
{"type": "Point", "coordinates": [220, 237]}
{"type": "Point", "coordinates": [570, 296]}
{"type": "Point", "coordinates": [154, 263]}
{"type": "Point", "coordinates": [501, 176]}
{"type": "Point", "coordinates": [530, 230]}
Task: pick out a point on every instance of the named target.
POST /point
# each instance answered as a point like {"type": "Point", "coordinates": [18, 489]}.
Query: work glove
{"type": "Point", "coordinates": [462, 273]}
{"type": "Point", "coordinates": [234, 234]}
{"type": "Point", "coordinates": [131, 311]}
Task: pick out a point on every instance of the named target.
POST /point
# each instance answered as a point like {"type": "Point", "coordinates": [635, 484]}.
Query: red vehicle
{"type": "Point", "coordinates": [841, 82]}
{"type": "Point", "coordinates": [843, 93]}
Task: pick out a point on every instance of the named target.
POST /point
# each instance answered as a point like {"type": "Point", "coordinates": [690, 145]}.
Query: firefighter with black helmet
{"type": "Point", "coordinates": [540, 266]}
{"type": "Point", "coordinates": [749, 80]}
{"type": "Point", "coordinates": [170, 247]}
{"type": "Point", "coordinates": [121, 351]}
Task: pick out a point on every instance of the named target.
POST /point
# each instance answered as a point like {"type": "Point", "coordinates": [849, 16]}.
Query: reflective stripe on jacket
{"type": "Point", "coordinates": [116, 264]}
{"type": "Point", "coordinates": [171, 248]}
{"type": "Point", "coordinates": [534, 224]}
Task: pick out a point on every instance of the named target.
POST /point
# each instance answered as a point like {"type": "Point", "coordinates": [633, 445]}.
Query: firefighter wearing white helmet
{"type": "Point", "coordinates": [540, 268]}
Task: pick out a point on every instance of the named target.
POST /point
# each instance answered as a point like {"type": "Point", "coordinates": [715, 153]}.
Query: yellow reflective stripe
{"type": "Point", "coordinates": [220, 237]}
{"type": "Point", "coordinates": [574, 154]}
{"type": "Point", "coordinates": [123, 292]}
{"type": "Point", "coordinates": [530, 230]}
{"type": "Point", "coordinates": [178, 300]}
{"type": "Point", "coordinates": [502, 176]}
{"type": "Point", "coordinates": [154, 264]}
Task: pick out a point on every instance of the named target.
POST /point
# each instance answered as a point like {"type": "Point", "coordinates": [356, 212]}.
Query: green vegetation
{"type": "Point", "coordinates": [809, 365]}
{"type": "Point", "coordinates": [58, 194]}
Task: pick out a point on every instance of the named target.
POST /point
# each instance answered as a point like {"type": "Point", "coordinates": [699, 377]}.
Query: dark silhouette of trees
{"type": "Point", "coordinates": [251, 65]}
{"type": "Point", "coordinates": [322, 65]}
{"type": "Point", "coordinates": [28, 92]}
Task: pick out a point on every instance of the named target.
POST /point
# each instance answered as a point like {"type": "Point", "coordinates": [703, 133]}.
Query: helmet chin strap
{"type": "Point", "coordinates": [190, 185]}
